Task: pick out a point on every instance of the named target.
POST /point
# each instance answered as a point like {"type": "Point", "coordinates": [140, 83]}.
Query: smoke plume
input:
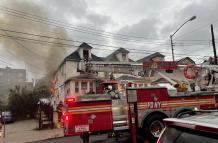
{"type": "Point", "coordinates": [40, 58]}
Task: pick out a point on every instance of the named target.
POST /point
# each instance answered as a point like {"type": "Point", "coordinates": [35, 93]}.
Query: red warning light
{"type": "Point", "coordinates": [70, 100]}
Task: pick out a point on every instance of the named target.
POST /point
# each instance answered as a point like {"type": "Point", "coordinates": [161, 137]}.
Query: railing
{"type": "Point", "coordinates": [45, 115]}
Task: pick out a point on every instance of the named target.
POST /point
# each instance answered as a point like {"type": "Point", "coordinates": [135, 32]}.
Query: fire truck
{"type": "Point", "coordinates": [139, 110]}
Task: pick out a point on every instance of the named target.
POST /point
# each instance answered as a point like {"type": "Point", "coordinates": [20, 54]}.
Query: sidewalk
{"type": "Point", "coordinates": [24, 131]}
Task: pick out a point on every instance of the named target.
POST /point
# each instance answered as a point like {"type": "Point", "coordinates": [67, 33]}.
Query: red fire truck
{"type": "Point", "coordinates": [138, 109]}
{"type": "Point", "coordinates": [92, 114]}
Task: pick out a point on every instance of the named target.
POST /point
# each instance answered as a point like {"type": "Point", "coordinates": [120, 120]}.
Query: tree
{"type": "Point", "coordinates": [23, 102]}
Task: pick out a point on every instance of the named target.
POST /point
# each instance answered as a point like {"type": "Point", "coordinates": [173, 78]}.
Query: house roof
{"type": "Point", "coordinates": [184, 59]}
{"type": "Point", "coordinates": [75, 55]}
{"type": "Point", "coordinates": [121, 50]}
{"type": "Point", "coordinates": [149, 57]}
{"type": "Point", "coordinates": [83, 77]}
{"type": "Point", "coordinates": [130, 60]}
{"type": "Point", "coordinates": [112, 57]}
{"type": "Point", "coordinates": [85, 45]}
{"type": "Point", "coordinates": [96, 58]}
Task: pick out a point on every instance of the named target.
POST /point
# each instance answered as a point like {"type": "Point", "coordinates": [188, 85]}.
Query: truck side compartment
{"type": "Point", "coordinates": [88, 117]}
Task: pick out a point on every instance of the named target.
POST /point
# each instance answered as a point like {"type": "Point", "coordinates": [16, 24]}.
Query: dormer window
{"type": "Point", "coordinates": [124, 56]}
{"type": "Point", "coordinates": [86, 54]}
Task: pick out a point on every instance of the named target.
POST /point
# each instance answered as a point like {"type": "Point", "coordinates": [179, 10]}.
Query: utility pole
{"type": "Point", "coordinates": [214, 46]}
{"type": "Point", "coordinates": [171, 42]}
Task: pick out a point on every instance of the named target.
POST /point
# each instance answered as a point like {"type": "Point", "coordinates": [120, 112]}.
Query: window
{"type": "Point", "coordinates": [83, 85]}
{"type": "Point", "coordinates": [91, 86]}
{"type": "Point", "coordinates": [76, 87]}
{"type": "Point", "coordinates": [86, 54]}
{"type": "Point", "coordinates": [124, 56]}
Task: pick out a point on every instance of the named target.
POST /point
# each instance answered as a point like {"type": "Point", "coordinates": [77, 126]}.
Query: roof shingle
{"type": "Point", "coordinates": [85, 45]}
{"type": "Point", "coordinates": [112, 57]}
{"type": "Point", "coordinates": [149, 57]}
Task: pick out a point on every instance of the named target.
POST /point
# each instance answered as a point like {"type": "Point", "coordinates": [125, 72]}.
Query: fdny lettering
{"type": "Point", "coordinates": [154, 105]}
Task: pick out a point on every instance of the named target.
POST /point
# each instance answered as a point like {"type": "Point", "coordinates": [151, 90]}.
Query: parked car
{"type": "Point", "coordinates": [199, 128]}
{"type": "Point", "coordinates": [7, 117]}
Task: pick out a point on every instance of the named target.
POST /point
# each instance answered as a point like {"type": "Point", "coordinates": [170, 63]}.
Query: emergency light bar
{"type": "Point", "coordinates": [70, 100]}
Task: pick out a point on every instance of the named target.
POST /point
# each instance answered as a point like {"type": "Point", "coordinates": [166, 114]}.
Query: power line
{"type": "Point", "coordinates": [49, 31]}
{"type": "Point", "coordinates": [74, 29]}
{"type": "Point", "coordinates": [5, 62]}
{"type": "Point", "coordinates": [63, 44]}
{"type": "Point", "coordinates": [101, 33]}
{"type": "Point", "coordinates": [30, 51]}
{"type": "Point", "coordinates": [69, 25]}
{"type": "Point", "coordinates": [25, 62]}
{"type": "Point", "coordinates": [69, 40]}
{"type": "Point", "coordinates": [196, 29]}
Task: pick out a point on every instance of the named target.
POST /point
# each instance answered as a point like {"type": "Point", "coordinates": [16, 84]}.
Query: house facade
{"type": "Point", "coordinates": [81, 71]}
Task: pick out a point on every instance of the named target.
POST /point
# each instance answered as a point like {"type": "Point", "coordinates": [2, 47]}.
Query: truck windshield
{"type": "Point", "coordinates": [181, 135]}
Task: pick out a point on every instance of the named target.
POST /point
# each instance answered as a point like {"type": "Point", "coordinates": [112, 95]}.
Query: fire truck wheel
{"type": "Point", "coordinates": [153, 127]}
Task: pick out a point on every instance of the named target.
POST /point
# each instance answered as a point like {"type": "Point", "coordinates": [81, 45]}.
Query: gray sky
{"type": "Point", "coordinates": [139, 24]}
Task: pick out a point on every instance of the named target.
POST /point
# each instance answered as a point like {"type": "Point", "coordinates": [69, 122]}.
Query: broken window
{"type": "Point", "coordinates": [86, 54]}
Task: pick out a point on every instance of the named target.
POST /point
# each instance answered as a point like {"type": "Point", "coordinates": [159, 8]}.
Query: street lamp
{"type": "Point", "coordinates": [171, 35]}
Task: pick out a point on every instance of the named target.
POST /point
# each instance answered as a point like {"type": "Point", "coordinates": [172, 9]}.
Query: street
{"type": "Point", "coordinates": [25, 131]}
{"type": "Point", "coordinates": [93, 139]}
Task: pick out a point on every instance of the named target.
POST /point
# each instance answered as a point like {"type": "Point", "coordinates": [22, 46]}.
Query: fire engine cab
{"type": "Point", "coordinates": [139, 110]}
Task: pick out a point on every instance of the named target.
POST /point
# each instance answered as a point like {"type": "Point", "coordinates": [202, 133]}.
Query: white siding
{"type": "Point", "coordinates": [71, 69]}
{"type": "Point", "coordinates": [120, 58]}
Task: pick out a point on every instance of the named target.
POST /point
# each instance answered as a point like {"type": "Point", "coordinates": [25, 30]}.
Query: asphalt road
{"type": "Point", "coordinates": [93, 139]}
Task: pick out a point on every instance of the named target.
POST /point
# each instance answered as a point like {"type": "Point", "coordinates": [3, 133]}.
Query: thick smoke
{"type": "Point", "coordinates": [39, 57]}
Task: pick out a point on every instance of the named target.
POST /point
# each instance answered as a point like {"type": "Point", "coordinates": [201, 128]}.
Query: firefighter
{"type": "Point", "coordinates": [59, 109]}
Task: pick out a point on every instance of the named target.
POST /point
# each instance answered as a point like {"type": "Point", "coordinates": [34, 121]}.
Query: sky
{"type": "Point", "coordinates": [141, 26]}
